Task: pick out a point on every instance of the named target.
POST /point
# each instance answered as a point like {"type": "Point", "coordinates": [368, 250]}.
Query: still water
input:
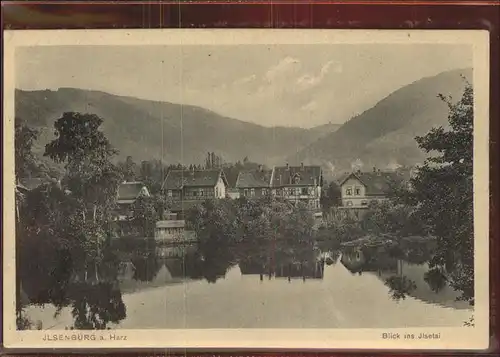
{"type": "Point", "coordinates": [337, 299]}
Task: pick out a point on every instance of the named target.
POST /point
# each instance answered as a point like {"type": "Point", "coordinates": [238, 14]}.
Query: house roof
{"type": "Point", "coordinates": [287, 176]}
{"type": "Point", "coordinates": [376, 183]}
{"type": "Point", "coordinates": [253, 179]}
{"type": "Point", "coordinates": [32, 183]}
{"type": "Point", "coordinates": [384, 263]}
{"type": "Point", "coordinates": [177, 179]}
{"type": "Point", "coordinates": [129, 191]}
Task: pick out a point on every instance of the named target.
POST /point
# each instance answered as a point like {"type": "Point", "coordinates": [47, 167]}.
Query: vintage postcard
{"type": "Point", "coordinates": [255, 189]}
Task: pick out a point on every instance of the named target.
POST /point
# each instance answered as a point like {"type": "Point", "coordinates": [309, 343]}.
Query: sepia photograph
{"type": "Point", "coordinates": [225, 189]}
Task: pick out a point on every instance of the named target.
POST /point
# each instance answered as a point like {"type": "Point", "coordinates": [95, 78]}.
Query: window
{"type": "Point", "coordinates": [169, 193]}
{"type": "Point", "coordinates": [201, 192]}
{"type": "Point", "coordinates": [349, 203]}
{"type": "Point", "coordinates": [274, 191]}
{"type": "Point", "coordinates": [364, 203]}
{"type": "Point", "coordinates": [304, 190]}
{"type": "Point", "coordinates": [252, 192]}
{"type": "Point", "coordinates": [357, 191]}
{"type": "Point", "coordinates": [348, 191]}
{"type": "Point", "coordinates": [264, 192]}
{"type": "Point", "coordinates": [245, 192]}
{"type": "Point", "coordinates": [297, 191]}
{"type": "Point", "coordinates": [216, 192]}
{"type": "Point", "coordinates": [195, 193]}
{"type": "Point", "coordinates": [311, 191]}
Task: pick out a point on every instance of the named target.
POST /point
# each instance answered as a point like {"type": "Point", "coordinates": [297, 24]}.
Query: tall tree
{"type": "Point", "coordinates": [92, 179]}
{"type": "Point", "coordinates": [87, 154]}
{"type": "Point", "coordinates": [129, 169]}
{"type": "Point", "coordinates": [330, 196]}
{"type": "Point", "coordinates": [25, 161]}
{"type": "Point", "coordinates": [443, 193]}
{"type": "Point", "coordinates": [147, 211]}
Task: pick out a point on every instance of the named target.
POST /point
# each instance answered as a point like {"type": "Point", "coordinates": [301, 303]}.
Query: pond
{"type": "Point", "coordinates": [211, 292]}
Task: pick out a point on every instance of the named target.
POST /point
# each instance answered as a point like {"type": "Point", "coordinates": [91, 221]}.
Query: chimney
{"type": "Point", "coordinates": [374, 169]}
{"type": "Point", "coordinates": [287, 166]}
{"type": "Point", "coordinates": [379, 172]}
{"type": "Point", "coordinates": [302, 166]}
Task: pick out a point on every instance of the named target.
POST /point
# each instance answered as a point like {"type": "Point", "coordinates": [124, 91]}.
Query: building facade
{"type": "Point", "coordinates": [186, 188]}
{"type": "Point", "coordinates": [298, 184]}
{"type": "Point", "coordinates": [233, 193]}
{"type": "Point", "coordinates": [360, 189]}
{"type": "Point", "coordinates": [171, 236]}
{"type": "Point", "coordinates": [254, 184]}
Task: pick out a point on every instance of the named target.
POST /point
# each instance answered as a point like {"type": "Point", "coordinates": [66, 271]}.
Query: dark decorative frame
{"type": "Point", "coordinates": [347, 14]}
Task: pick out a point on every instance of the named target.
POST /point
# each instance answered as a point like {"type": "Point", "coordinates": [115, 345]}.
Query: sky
{"type": "Point", "coordinates": [277, 85]}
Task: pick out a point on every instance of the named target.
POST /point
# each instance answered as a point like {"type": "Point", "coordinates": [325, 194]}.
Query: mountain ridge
{"type": "Point", "coordinates": [135, 126]}
{"type": "Point", "coordinates": [384, 135]}
{"type": "Point", "coordinates": [381, 136]}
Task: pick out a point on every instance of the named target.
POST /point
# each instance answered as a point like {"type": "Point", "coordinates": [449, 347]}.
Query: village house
{"type": "Point", "coordinates": [127, 195]}
{"type": "Point", "coordinates": [186, 188]}
{"type": "Point", "coordinates": [359, 189]}
{"type": "Point", "coordinates": [172, 237]}
{"type": "Point", "coordinates": [254, 184]}
{"type": "Point", "coordinates": [233, 193]}
{"type": "Point", "coordinates": [298, 184]}
{"type": "Point", "coordinates": [171, 229]}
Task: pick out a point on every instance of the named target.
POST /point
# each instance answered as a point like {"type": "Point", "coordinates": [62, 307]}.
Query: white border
{"type": "Point", "coordinates": [451, 338]}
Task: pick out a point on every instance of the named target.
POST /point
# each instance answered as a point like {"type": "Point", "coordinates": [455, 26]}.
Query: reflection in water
{"type": "Point", "coordinates": [97, 306]}
{"type": "Point", "coordinates": [146, 284]}
{"type": "Point", "coordinates": [303, 270]}
{"type": "Point", "coordinates": [400, 286]}
{"type": "Point", "coordinates": [403, 270]}
{"type": "Point", "coordinates": [436, 279]}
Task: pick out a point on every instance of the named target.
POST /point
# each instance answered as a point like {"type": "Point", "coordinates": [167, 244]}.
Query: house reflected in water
{"type": "Point", "coordinates": [402, 277]}
{"type": "Point", "coordinates": [282, 270]}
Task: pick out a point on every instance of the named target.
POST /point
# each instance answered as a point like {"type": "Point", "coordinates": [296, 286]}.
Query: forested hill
{"type": "Point", "coordinates": [141, 128]}
{"type": "Point", "coordinates": [385, 134]}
